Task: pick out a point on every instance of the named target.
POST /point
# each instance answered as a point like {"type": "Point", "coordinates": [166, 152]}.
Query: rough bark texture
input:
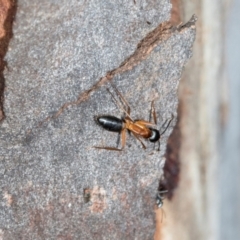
{"type": "Point", "coordinates": [54, 185]}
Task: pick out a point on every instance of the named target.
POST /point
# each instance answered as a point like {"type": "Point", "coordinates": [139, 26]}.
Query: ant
{"type": "Point", "coordinates": [159, 201]}
{"type": "Point", "coordinates": [160, 197]}
{"type": "Point", "coordinates": [139, 128]}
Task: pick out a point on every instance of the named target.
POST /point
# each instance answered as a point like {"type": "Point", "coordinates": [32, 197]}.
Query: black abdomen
{"type": "Point", "coordinates": [110, 123]}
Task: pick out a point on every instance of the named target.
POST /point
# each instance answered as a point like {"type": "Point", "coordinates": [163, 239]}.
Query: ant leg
{"type": "Point", "coordinates": [144, 147]}
{"type": "Point", "coordinates": [123, 140]}
{"type": "Point", "coordinates": [153, 113]}
{"type": "Point", "coordinates": [144, 123]}
{"type": "Point", "coordinates": [158, 146]}
{"type": "Point", "coordinates": [109, 148]}
{"type": "Point", "coordinates": [118, 105]}
{"type": "Point", "coordinates": [167, 125]}
{"type": "Point", "coordinates": [118, 140]}
{"type": "Point", "coordinates": [124, 101]}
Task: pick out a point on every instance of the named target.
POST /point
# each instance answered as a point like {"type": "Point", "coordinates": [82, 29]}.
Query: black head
{"type": "Point", "coordinates": [155, 136]}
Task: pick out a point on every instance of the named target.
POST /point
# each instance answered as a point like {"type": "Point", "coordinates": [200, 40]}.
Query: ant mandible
{"type": "Point", "coordinates": [139, 128]}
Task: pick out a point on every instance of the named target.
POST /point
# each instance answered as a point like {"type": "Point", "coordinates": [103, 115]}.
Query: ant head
{"type": "Point", "coordinates": [155, 135]}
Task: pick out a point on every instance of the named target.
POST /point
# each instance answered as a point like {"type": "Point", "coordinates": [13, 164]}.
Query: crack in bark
{"type": "Point", "coordinates": [161, 33]}
{"type": "Point", "coordinates": [7, 14]}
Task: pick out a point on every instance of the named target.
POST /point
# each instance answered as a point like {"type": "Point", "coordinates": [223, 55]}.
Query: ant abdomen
{"type": "Point", "coordinates": [110, 123]}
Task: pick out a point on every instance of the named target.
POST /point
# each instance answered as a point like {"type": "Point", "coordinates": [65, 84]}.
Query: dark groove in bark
{"type": "Point", "coordinates": [6, 28]}
{"type": "Point", "coordinates": [144, 48]}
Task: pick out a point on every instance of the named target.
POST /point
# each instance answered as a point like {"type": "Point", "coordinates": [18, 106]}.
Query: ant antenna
{"type": "Point", "coordinates": [167, 125]}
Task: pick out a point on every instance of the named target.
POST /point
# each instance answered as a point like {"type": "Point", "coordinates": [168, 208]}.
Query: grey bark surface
{"type": "Point", "coordinates": [60, 61]}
